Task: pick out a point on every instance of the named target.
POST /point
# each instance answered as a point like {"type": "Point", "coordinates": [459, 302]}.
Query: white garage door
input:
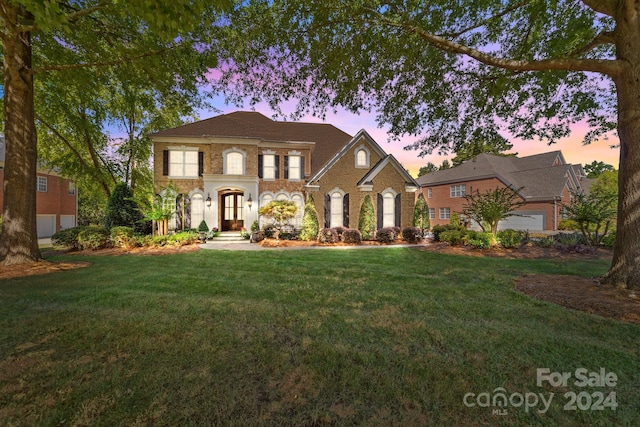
{"type": "Point", "coordinates": [46, 225]}
{"type": "Point", "coordinates": [67, 221]}
{"type": "Point", "coordinates": [533, 221]}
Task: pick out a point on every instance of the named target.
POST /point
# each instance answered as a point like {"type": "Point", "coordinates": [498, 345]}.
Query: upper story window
{"type": "Point", "coordinates": [294, 169]}
{"type": "Point", "coordinates": [183, 163]}
{"type": "Point", "coordinates": [429, 193]}
{"type": "Point", "coordinates": [234, 162]}
{"type": "Point", "coordinates": [268, 166]}
{"type": "Point", "coordinates": [458, 190]}
{"type": "Point", "coordinates": [362, 157]}
{"type": "Point", "coordinates": [42, 184]}
{"type": "Point", "coordinates": [72, 188]}
{"type": "Point", "coordinates": [432, 213]}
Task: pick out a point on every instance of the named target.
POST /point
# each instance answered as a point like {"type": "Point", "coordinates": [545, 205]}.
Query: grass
{"type": "Point", "coordinates": [377, 337]}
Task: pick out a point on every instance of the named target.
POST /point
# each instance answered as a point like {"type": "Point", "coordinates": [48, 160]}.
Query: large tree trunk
{"type": "Point", "coordinates": [625, 268]}
{"type": "Point", "coordinates": [18, 241]}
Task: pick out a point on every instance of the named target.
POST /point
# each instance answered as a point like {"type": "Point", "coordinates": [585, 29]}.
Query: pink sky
{"type": "Point", "coordinates": [572, 149]}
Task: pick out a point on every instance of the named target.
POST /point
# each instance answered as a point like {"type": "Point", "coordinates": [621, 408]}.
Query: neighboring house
{"type": "Point", "coordinates": [56, 199]}
{"type": "Point", "coordinates": [226, 167]}
{"type": "Point", "coordinates": [544, 182]}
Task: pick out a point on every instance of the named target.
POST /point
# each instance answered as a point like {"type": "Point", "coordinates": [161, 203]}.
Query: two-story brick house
{"type": "Point", "coordinates": [544, 182]}
{"type": "Point", "coordinates": [56, 198]}
{"type": "Point", "coordinates": [226, 167]}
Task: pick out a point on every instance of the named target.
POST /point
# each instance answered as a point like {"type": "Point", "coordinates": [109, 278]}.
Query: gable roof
{"type": "Point", "coordinates": [371, 173]}
{"type": "Point", "coordinates": [327, 138]}
{"type": "Point", "coordinates": [540, 176]}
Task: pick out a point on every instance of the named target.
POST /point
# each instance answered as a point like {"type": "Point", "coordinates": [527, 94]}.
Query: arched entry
{"type": "Point", "coordinates": [231, 210]}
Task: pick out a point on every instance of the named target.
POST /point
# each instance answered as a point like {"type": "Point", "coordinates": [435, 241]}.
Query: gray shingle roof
{"type": "Point", "coordinates": [540, 176]}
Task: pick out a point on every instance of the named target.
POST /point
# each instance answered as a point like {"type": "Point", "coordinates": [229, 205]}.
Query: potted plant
{"type": "Point", "coordinates": [203, 229]}
{"type": "Point", "coordinates": [256, 234]}
{"type": "Point", "coordinates": [213, 233]}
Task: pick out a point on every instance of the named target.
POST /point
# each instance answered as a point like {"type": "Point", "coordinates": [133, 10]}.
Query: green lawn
{"type": "Point", "coordinates": [363, 337]}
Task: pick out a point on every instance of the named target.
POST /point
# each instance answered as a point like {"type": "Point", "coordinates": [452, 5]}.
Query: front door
{"type": "Point", "coordinates": [232, 211]}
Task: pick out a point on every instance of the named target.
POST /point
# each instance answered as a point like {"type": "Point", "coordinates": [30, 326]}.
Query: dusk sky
{"type": "Point", "coordinates": [572, 149]}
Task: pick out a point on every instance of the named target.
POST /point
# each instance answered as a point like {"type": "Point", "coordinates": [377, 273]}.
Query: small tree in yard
{"type": "Point", "coordinates": [367, 219]}
{"type": "Point", "coordinates": [280, 212]}
{"type": "Point", "coordinates": [492, 206]}
{"type": "Point", "coordinates": [597, 211]}
{"type": "Point", "coordinates": [421, 214]}
{"type": "Point", "coordinates": [309, 220]}
{"type": "Point", "coordinates": [122, 209]}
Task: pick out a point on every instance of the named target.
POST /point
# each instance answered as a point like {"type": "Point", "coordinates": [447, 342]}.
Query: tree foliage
{"type": "Point", "coordinates": [280, 212]}
{"type": "Point", "coordinates": [594, 212]}
{"type": "Point", "coordinates": [421, 214]}
{"type": "Point", "coordinates": [442, 70]}
{"type": "Point", "coordinates": [481, 142]}
{"type": "Point", "coordinates": [367, 219]}
{"type": "Point", "coordinates": [122, 209]}
{"type": "Point", "coordinates": [310, 224]}
{"type": "Point", "coordinates": [487, 209]}
{"type": "Point", "coordinates": [597, 168]}
{"type": "Point", "coordinates": [430, 167]}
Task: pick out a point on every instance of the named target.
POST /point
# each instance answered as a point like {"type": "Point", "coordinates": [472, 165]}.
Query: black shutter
{"type": "Point", "coordinates": [301, 167]}
{"type": "Point", "coordinates": [200, 163]}
{"type": "Point", "coordinates": [187, 213]}
{"type": "Point", "coordinates": [286, 167]}
{"type": "Point", "coordinates": [165, 162]}
{"type": "Point", "coordinates": [398, 208]}
{"type": "Point", "coordinates": [277, 164]}
{"type": "Point", "coordinates": [379, 211]}
{"type": "Point", "coordinates": [327, 211]}
{"type": "Point", "coordinates": [260, 165]}
{"type": "Point", "coordinates": [345, 210]}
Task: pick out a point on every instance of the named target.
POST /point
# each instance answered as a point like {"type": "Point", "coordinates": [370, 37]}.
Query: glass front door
{"type": "Point", "coordinates": [232, 211]}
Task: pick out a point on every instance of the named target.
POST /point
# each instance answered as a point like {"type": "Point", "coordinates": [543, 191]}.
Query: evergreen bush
{"type": "Point", "coordinates": [453, 236]}
{"type": "Point", "coordinates": [386, 235]}
{"type": "Point", "coordinates": [478, 239]}
{"type": "Point", "coordinates": [421, 214]}
{"type": "Point", "coordinates": [121, 236]}
{"type": "Point", "coordinates": [67, 239]}
{"type": "Point", "coordinates": [93, 238]}
{"type": "Point", "coordinates": [203, 227]}
{"type": "Point", "coordinates": [122, 210]}
{"type": "Point", "coordinates": [367, 219]}
{"type": "Point", "coordinates": [510, 238]}
{"type": "Point", "coordinates": [310, 225]}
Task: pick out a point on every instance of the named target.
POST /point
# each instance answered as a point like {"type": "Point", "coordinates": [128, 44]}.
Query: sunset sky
{"type": "Point", "coordinates": [572, 149]}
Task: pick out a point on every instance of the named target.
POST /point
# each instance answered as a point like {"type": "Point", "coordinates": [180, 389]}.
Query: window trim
{"type": "Point", "coordinates": [340, 211]}
{"type": "Point", "coordinates": [225, 167]}
{"type": "Point", "coordinates": [367, 162]}
{"type": "Point", "coordinates": [457, 191]}
{"type": "Point", "coordinates": [43, 182]}
{"type": "Point", "coordinates": [429, 193]}
{"type": "Point", "coordinates": [299, 168]}
{"type": "Point", "coordinates": [183, 150]}
{"type": "Point", "coordinates": [271, 167]}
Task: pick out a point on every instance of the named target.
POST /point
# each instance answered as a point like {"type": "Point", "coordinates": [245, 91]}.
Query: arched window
{"type": "Point", "coordinates": [233, 162]}
{"type": "Point", "coordinates": [362, 157]}
{"type": "Point", "coordinates": [197, 210]}
{"type": "Point", "coordinates": [265, 198]}
{"type": "Point", "coordinates": [388, 210]}
{"type": "Point", "coordinates": [337, 206]}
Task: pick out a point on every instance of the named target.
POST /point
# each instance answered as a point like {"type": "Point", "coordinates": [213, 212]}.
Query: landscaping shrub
{"type": "Point", "coordinates": [352, 236]}
{"type": "Point", "coordinates": [182, 238]}
{"type": "Point", "coordinates": [509, 238]}
{"type": "Point", "coordinates": [367, 219]}
{"type": "Point", "coordinates": [397, 231]}
{"type": "Point", "coordinates": [438, 229]}
{"type": "Point", "coordinates": [544, 242]}
{"type": "Point", "coordinates": [93, 238]}
{"type": "Point", "coordinates": [67, 238]}
{"type": "Point", "coordinates": [339, 229]}
{"type": "Point", "coordinates": [386, 235]}
{"type": "Point", "coordinates": [328, 235]}
{"type": "Point", "coordinates": [203, 226]}
{"type": "Point", "coordinates": [453, 236]}
{"type": "Point", "coordinates": [121, 236]}
{"type": "Point", "coordinates": [289, 235]}
{"type": "Point", "coordinates": [568, 224]}
{"type": "Point", "coordinates": [478, 239]}
{"type": "Point", "coordinates": [269, 231]}
{"type": "Point", "coordinates": [412, 234]}
{"type": "Point", "coordinates": [123, 210]}
{"type": "Point", "coordinates": [310, 225]}
{"type": "Point", "coordinates": [609, 240]}
{"type": "Point", "coordinates": [570, 239]}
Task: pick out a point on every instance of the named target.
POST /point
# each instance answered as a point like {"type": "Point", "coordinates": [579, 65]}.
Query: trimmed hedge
{"type": "Point", "coordinates": [328, 235]}
{"type": "Point", "coordinates": [67, 238]}
{"type": "Point", "coordinates": [93, 238]}
{"type": "Point", "coordinates": [453, 236]}
{"type": "Point", "coordinates": [386, 235]}
{"type": "Point", "coordinates": [351, 236]}
{"type": "Point", "coordinates": [122, 237]}
{"type": "Point", "coordinates": [412, 234]}
{"type": "Point", "coordinates": [510, 238]}
{"type": "Point", "coordinates": [478, 239]}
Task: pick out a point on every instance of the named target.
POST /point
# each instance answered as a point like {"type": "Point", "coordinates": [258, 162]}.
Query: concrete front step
{"type": "Point", "coordinates": [229, 237]}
